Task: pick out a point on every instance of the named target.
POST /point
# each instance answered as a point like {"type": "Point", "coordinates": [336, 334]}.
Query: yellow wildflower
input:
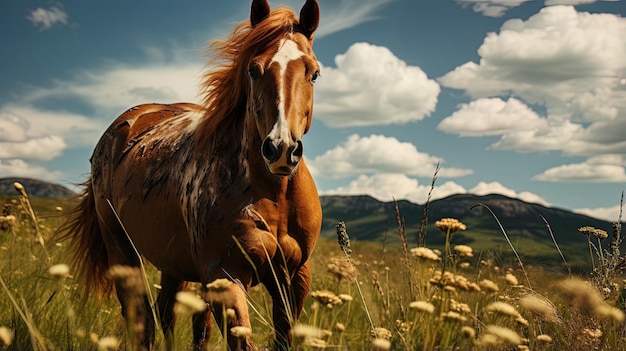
{"type": "Point", "coordinates": [450, 225]}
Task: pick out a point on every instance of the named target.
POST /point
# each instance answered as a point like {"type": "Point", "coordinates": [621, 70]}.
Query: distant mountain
{"type": "Point", "coordinates": [368, 219]}
{"type": "Point", "coordinates": [35, 188]}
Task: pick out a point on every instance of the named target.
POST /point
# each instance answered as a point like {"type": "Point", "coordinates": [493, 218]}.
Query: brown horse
{"type": "Point", "coordinates": [212, 191]}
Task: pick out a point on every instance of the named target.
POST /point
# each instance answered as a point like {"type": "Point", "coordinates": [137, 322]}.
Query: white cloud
{"type": "Point", "coordinates": [552, 58]}
{"type": "Point", "coordinates": [371, 86]}
{"type": "Point", "coordinates": [484, 188]}
{"type": "Point", "coordinates": [339, 15]}
{"type": "Point", "coordinates": [12, 128]}
{"type": "Point", "coordinates": [570, 2]}
{"type": "Point", "coordinates": [605, 213]}
{"type": "Point", "coordinates": [386, 187]}
{"type": "Point", "coordinates": [40, 149]}
{"type": "Point", "coordinates": [35, 123]}
{"type": "Point", "coordinates": [44, 19]}
{"type": "Point", "coordinates": [601, 169]}
{"type": "Point", "coordinates": [19, 140]}
{"type": "Point", "coordinates": [569, 64]}
{"type": "Point", "coordinates": [491, 8]}
{"type": "Point", "coordinates": [120, 86]}
{"type": "Point", "coordinates": [492, 116]}
{"type": "Point", "coordinates": [19, 168]}
{"type": "Point", "coordinates": [378, 154]}
{"type": "Point", "coordinates": [30, 132]}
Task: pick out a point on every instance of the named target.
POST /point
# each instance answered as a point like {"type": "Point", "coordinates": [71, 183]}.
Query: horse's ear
{"type": "Point", "coordinates": [309, 17]}
{"type": "Point", "coordinates": [259, 11]}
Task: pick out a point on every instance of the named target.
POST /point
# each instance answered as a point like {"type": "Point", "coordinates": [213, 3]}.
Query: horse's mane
{"type": "Point", "coordinates": [226, 85]}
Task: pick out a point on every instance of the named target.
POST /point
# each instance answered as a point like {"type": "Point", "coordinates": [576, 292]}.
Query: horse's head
{"type": "Point", "coordinates": [282, 79]}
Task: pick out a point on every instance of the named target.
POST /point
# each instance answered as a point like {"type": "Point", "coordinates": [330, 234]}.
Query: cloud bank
{"type": "Point", "coordinates": [44, 19]}
{"type": "Point", "coordinates": [554, 82]}
{"type": "Point", "coordinates": [371, 86]}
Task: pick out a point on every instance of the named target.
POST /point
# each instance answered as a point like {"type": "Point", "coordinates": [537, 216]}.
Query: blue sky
{"type": "Point", "coordinates": [523, 98]}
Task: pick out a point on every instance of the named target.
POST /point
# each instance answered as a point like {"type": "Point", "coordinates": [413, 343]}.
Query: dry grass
{"type": "Point", "coordinates": [363, 297]}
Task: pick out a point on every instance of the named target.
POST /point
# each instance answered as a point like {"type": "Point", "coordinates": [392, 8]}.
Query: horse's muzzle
{"type": "Point", "coordinates": [281, 158]}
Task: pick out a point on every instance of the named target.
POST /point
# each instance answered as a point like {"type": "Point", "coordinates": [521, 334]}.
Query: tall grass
{"type": "Point", "coordinates": [453, 297]}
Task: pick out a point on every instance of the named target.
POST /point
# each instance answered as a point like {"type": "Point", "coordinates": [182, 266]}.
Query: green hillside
{"type": "Point", "coordinates": [370, 220]}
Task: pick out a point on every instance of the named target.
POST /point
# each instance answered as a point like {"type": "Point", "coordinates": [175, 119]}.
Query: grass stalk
{"type": "Point", "coordinates": [405, 249]}
{"type": "Point", "coordinates": [569, 271]}
{"type": "Point", "coordinates": [344, 243]}
{"type": "Point", "coordinates": [421, 231]}
{"type": "Point", "coordinates": [28, 208]}
{"type": "Point", "coordinates": [519, 260]}
{"type": "Point", "coordinates": [142, 267]}
{"type": "Point", "coordinates": [36, 338]}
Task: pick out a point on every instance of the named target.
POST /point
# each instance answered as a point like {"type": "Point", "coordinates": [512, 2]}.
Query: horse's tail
{"type": "Point", "coordinates": [90, 258]}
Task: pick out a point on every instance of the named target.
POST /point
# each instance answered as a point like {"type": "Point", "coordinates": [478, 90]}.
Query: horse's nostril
{"type": "Point", "coordinates": [295, 153]}
{"type": "Point", "coordinates": [270, 151]}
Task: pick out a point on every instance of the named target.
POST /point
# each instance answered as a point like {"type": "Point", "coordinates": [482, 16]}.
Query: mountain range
{"type": "Point", "coordinates": [368, 219]}
{"type": "Point", "coordinates": [35, 188]}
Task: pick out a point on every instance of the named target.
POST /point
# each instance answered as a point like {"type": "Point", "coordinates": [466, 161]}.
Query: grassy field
{"type": "Point", "coordinates": [377, 297]}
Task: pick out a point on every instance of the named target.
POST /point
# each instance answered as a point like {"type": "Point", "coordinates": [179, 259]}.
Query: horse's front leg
{"type": "Point", "coordinates": [285, 315]}
{"type": "Point", "coordinates": [229, 305]}
{"type": "Point", "coordinates": [201, 325]}
{"type": "Point", "coordinates": [136, 307]}
{"type": "Point", "coordinates": [165, 301]}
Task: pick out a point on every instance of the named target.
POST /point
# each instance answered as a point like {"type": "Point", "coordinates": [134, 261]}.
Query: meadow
{"type": "Point", "coordinates": [364, 296]}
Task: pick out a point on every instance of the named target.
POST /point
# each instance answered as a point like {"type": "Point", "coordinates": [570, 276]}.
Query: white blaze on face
{"type": "Point", "coordinates": [288, 51]}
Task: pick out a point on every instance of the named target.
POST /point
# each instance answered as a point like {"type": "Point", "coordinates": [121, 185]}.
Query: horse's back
{"type": "Point", "coordinates": [133, 171]}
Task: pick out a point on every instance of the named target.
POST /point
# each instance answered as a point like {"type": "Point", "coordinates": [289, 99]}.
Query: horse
{"type": "Point", "coordinates": [213, 191]}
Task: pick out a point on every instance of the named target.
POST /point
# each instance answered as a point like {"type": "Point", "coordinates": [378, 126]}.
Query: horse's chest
{"type": "Point", "coordinates": [292, 237]}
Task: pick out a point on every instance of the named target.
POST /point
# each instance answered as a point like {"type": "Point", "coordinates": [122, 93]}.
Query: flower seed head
{"type": "Point", "coordinates": [240, 331]}
{"type": "Point", "coordinates": [511, 279]}
{"type": "Point", "coordinates": [303, 331]}
{"type": "Point", "coordinates": [108, 343]}
{"type": "Point", "coordinates": [540, 307]}
{"type": "Point", "coordinates": [425, 253]}
{"type": "Point", "coordinates": [468, 332]}
{"type": "Point", "coordinates": [488, 285]}
{"type": "Point", "coordinates": [450, 225]}
{"type": "Point", "coordinates": [463, 250]}
{"type": "Point", "coordinates": [423, 306]}
{"type": "Point", "coordinates": [544, 338]}
{"type": "Point", "coordinates": [343, 238]}
{"type": "Point", "coordinates": [591, 231]}
{"type": "Point", "coordinates": [189, 303]}
{"type": "Point", "coordinates": [219, 285]}
{"type": "Point", "coordinates": [381, 344]}
{"type": "Point", "coordinates": [6, 336]}
{"type": "Point", "coordinates": [60, 270]}
{"type": "Point", "coordinates": [20, 188]}
{"type": "Point", "coordinates": [502, 308]}
{"type": "Point", "coordinates": [505, 334]}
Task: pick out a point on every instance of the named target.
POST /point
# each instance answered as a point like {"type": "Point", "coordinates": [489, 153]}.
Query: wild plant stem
{"type": "Point", "coordinates": [421, 232]}
{"type": "Point", "coordinates": [358, 286]}
{"type": "Point", "coordinates": [519, 260]}
{"type": "Point", "coordinates": [35, 336]}
{"type": "Point", "coordinates": [593, 262]}
{"type": "Point", "coordinates": [569, 271]}
{"type": "Point", "coordinates": [344, 243]}
{"type": "Point", "coordinates": [141, 266]}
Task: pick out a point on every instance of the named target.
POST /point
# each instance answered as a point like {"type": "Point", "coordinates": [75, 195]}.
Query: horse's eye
{"type": "Point", "coordinates": [253, 72]}
{"type": "Point", "coordinates": [315, 76]}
